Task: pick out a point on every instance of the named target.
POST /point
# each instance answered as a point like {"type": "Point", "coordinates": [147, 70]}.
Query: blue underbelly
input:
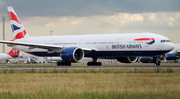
{"type": "Point", "coordinates": [105, 53]}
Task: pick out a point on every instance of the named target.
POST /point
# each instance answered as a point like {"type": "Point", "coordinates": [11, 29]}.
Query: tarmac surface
{"type": "Point", "coordinates": [88, 67]}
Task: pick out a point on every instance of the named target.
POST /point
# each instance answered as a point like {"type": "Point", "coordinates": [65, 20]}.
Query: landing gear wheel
{"type": "Point", "coordinates": [58, 63]}
{"type": "Point", "coordinates": [63, 63]}
{"type": "Point", "coordinates": [89, 63]}
{"type": "Point", "coordinates": [157, 63]}
{"type": "Point", "coordinates": [94, 64]}
{"type": "Point", "coordinates": [99, 63]}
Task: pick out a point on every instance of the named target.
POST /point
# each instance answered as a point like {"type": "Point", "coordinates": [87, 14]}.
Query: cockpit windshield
{"type": "Point", "coordinates": [162, 41]}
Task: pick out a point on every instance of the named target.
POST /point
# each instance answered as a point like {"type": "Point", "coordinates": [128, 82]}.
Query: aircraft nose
{"type": "Point", "coordinates": [170, 46]}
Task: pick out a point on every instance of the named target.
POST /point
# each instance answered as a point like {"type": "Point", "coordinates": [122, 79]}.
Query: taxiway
{"type": "Point", "coordinates": [88, 67]}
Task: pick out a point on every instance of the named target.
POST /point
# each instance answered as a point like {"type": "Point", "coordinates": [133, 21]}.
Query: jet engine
{"type": "Point", "coordinates": [72, 54]}
{"type": "Point", "coordinates": [146, 59]}
{"type": "Point", "coordinates": [171, 57]}
{"type": "Point", "coordinates": [127, 59]}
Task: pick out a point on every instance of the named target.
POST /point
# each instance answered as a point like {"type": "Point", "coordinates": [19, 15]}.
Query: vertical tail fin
{"type": "Point", "coordinates": [14, 53]}
{"type": "Point", "coordinates": [16, 25]}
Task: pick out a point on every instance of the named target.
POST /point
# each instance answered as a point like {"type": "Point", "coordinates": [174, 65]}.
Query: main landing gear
{"type": "Point", "coordinates": [94, 62]}
{"type": "Point", "coordinates": [63, 63]}
{"type": "Point", "coordinates": [156, 61]}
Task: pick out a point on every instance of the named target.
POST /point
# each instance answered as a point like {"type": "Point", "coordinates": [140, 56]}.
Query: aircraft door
{"type": "Point", "coordinates": [119, 41]}
{"type": "Point", "coordinates": [159, 46]}
{"type": "Point", "coordinates": [80, 42]}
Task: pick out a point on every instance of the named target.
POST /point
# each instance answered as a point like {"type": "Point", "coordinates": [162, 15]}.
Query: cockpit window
{"type": "Point", "coordinates": [162, 41]}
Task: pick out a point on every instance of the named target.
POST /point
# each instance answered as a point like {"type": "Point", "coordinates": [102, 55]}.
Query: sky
{"type": "Point", "coordinates": [65, 17]}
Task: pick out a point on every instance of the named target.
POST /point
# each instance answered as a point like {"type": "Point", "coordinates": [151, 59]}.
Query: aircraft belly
{"type": "Point", "coordinates": [106, 53]}
{"type": "Point", "coordinates": [124, 53]}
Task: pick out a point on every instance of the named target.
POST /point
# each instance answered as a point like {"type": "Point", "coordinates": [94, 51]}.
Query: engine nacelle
{"type": "Point", "coordinates": [146, 59]}
{"type": "Point", "coordinates": [127, 59]}
{"type": "Point", "coordinates": [72, 54]}
{"type": "Point", "coordinates": [171, 57]}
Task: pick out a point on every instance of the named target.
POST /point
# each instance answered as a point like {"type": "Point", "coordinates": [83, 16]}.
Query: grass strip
{"type": "Point", "coordinates": [64, 95]}
{"type": "Point", "coordinates": [157, 70]}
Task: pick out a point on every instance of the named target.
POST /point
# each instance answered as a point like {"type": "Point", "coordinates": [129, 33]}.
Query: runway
{"type": "Point", "coordinates": [88, 67]}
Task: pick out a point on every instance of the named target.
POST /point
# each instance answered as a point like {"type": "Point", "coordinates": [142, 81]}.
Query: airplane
{"type": "Point", "coordinates": [172, 55]}
{"type": "Point", "coordinates": [14, 53]}
{"type": "Point", "coordinates": [175, 53]}
{"type": "Point", "coordinates": [125, 47]}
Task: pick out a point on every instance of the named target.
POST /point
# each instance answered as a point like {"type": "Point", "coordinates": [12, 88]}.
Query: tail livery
{"type": "Point", "coordinates": [14, 53]}
{"type": "Point", "coordinates": [16, 25]}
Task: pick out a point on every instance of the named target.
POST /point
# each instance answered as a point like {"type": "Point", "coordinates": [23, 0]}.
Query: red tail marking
{"type": "Point", "coordinates": [14, 53]}
{"type": "Point", "coordinates": [20, 35]}
{"type": "Point", "coordinates": [12, 16]}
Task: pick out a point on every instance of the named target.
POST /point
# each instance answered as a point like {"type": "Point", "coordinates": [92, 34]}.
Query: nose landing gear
{"type": "Point", "coordinates": [156, 61]}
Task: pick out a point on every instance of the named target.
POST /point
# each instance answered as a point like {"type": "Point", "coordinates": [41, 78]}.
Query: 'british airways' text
{"type": "Point", "coordinates": [130, 46]}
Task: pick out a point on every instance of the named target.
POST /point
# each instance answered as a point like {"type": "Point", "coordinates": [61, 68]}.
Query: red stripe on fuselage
{"type": "Point", "coordinates": [12, 16]}
{"type": "Point", "coordinates": [142, 39]}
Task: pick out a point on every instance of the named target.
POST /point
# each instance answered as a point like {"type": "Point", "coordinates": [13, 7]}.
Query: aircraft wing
{"type": "Point", "coordinates": [36, 45]}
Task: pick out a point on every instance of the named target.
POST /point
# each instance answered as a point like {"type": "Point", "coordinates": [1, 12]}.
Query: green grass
{"type": "Point", "coordinates": [157, 70]}
{"type": "Point", "coordinates": [90, 85]}
{"type": "Point", "coordinates": [64, 95]}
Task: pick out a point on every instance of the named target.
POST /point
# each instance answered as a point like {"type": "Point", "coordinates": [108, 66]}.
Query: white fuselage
{"type": "Point", "coordinates": [4, 56]}
{"type": "Point", "coordinates": [122, 44]}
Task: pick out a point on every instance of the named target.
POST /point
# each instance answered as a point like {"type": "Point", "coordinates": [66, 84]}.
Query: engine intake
{"type": "Point", "coordinates": [72, 54]}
